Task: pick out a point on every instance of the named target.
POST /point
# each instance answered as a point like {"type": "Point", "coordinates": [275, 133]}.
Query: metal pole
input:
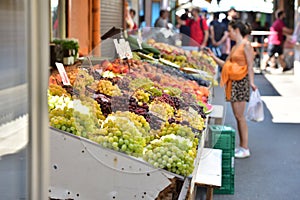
{"type": "Point", "coordinates": [62, 18]}
{"type": "Point", "coordinates": [148, 12]}
{"type": "Point", "coordinates": [38, 62]}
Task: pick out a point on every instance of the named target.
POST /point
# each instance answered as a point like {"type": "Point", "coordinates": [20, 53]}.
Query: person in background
{"type": "Point", "coordinates": [276, 40]}
{"type": "Point", "coordinates": [162, 21]}
{"type": "Point", "coordinates": [218, 36]}
{"type": "Point", "coordinates": [184, 29]}
{"type": "Point", "coordinates": [198, 28]}
{"type": "Point", "coordinates": [132, 15]}
{"type": "Point", "coordinates": [128, 19]}
{"type": "Point", "coordinates": [237, 76]}
{"type": "Point", "coordinates": [232, 14]}
{"type": "Point", "coordinates": [185, 15]}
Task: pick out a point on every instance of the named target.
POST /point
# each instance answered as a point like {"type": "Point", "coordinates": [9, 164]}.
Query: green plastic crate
{"type": "Point", "coordinates": [228, 160]}
{"type": "Point", "coordinates": [229, 171]}
{"type": "Point", "coordinates": [227, 185]}
{"type": "Point", "coordinates": [228, 163]}
{"type": "Point", "coordinates": [223, 137]}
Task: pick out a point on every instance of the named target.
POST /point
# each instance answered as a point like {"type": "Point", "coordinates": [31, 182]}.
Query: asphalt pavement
{"type": "Point", "coordinates": [272, 171]}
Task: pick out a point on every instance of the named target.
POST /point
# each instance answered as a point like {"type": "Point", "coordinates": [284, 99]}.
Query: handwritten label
{"type": "Point", "coordinates": [62, 73]}
{"type": "Point", "coordinates": [166, 32]}
{"type": "Point", "coordinates": [123, 49]}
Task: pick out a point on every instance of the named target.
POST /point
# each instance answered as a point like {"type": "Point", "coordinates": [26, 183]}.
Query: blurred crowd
{"type": "Point", "coordinates": [200, 29]}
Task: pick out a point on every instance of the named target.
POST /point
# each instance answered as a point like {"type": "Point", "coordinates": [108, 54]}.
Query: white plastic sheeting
{"type": "Point", "coordinates": [263, 6]}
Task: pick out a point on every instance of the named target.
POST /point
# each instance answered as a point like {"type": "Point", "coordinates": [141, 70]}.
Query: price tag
{"type": "Point", "coordinates": [62, 73]}
{"type": "Point", "coordinates": [166, 32]}
{"type": "Point", "coordinates": [123, 49]}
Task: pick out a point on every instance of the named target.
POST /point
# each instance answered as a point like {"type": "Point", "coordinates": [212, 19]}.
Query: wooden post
{"type": "Point", "coordinates": [148, 12]}
{"type": "Point", "coordinates": [96, 26]}
{"type": "Point", "coordinates": [209, 193]}
{"type": "Point", "coordinates": [281, 4]}
{"type": "Point", "coordinates": [62, 19]}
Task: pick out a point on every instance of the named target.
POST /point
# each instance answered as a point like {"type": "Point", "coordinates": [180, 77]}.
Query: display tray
{"type": "Point", "coordinates": [195, 71]}
{"type": "Point", "coordinates": [145, 56]}
{"type": "Point", "coordinates": [171, 64]}
{"type": "Point", "coordinates": [82, 169]}
{"type": "Point", "coordinates": [130, 102]}
{"type": "Point", "coordinates": [135, 159]}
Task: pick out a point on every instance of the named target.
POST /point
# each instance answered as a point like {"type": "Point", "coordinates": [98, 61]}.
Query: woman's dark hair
{"type": "Point", "coordinates": [278, 13]}
{"type": "Point", "coordinates": [245, 29]}
{"type": "Point", "coordinates": [248, 28]}
{"type": "Point", "coordinates": [162, 12]}
{"type": "Point", "coordinates": [132, 11]}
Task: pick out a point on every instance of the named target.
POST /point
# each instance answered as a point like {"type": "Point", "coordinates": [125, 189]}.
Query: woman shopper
{"type": "Point", "coordinates": [237, 77]}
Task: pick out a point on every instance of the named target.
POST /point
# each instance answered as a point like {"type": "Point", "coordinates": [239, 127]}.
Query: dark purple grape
{"type": "Point", "coordinates": [71, 90]}
{"type": "Point", "coordinates": [171, 120]}
{"type": "Point", "coordinates": [185, 123]}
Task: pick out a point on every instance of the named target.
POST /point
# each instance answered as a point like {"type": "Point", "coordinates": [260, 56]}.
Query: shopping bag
{"type": "Point", "coordinates": [255, 111]}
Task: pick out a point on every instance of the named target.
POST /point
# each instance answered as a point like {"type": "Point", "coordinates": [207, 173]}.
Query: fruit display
{"type": "Point", "coordinates": [141, 96]}
{"type": "Point", "coordinates": [55, 101]}
{"type": "Point", "coordinates": [57, 90]}
{"type": "Point", "coordinates": [161, 110]}
{"type": "Point", "coordinates": [146, 72]}
{"type": "Point", "coordinates": [55, 79]}
{"type": "Point", "coordinates": [142, 47]}
{"type": "Point", "coordinates": [173, 153]}
{"type": "Point", "coordinates": [106, 87]}
{"type": "Point", "coordinates": [185, 59]}
{"type": "Point", "coordinates": [191, 118]}
{"type": "Point", "coordinates": [167, 49]}
{"type": "Point", "coordinates": [136, 107]}
{"type": "Point", "coordinates": [120, 134]}
{"type": "Point", "coordinates": [195, 63]}
{"type": "Point", "coordinates": [74, 118]}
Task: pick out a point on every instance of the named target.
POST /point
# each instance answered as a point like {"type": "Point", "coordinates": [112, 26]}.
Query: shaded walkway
{"type": "Point", "coordinates": [272, 171]}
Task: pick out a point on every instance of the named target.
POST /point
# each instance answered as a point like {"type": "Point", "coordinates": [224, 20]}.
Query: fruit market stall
{"type": "Point", "coordinates": [124, 126]}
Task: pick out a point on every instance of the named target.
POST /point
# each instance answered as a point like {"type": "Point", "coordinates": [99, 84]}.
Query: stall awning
{"type": "Point", "coordinates": [263, 6]}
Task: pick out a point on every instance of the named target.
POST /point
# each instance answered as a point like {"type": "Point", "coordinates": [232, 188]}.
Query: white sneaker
{"type": "Point", "coordinates": [242, 153]}
{"type": "Point", "coordinates": [236, 149]}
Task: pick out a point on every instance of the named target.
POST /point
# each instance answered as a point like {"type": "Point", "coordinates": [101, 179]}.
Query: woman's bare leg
{"type": "Point", "coordinates": [238, 111]}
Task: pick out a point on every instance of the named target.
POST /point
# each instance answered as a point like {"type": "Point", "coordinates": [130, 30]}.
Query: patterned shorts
{"type": "Point", "coordinates": [240, 90]}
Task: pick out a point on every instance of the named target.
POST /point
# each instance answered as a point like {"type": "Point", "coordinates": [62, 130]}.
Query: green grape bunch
{"type": "Point", "coordinates": [83, 79]}
{"type": "Point", "coordinates": [120, 135]}
{"type": "Point", "coordinates": [125, 132]}
{"type": "Point", "coordinates": [63, 119]}
{"type": "Point", "coordinates": [57, 90]}
{"type": "Point", "coordinates": [74, 118]}
{"type": "Point", "coordinates": [139, 122]}
{"type": "Point", "coordinates": [106, 87]}
{"type": "Point", "coordinates": [193, 118]}
{"type": "Point", "coordinates": [173, 153]}
{"type": "Point", "coordinates": [94, 108]}
{"type": "Point", "coordinates": [162, 110]}
{"type": "Point", "coordinates": [141, 96]}
{"type": "Point", "coordinates": [176, 129]}
{"type": "Point", "coordinates": [140, 83]}
{"type": "Point", "coordinates": [58, 102]}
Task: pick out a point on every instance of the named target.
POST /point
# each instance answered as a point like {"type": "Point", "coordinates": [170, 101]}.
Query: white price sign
{"type": "Point", "coordinates": [166, 32]}
{"type": "Point", "coordinates": [62, 73]}
{"type": "Point", "coordinates": [123, 49]}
